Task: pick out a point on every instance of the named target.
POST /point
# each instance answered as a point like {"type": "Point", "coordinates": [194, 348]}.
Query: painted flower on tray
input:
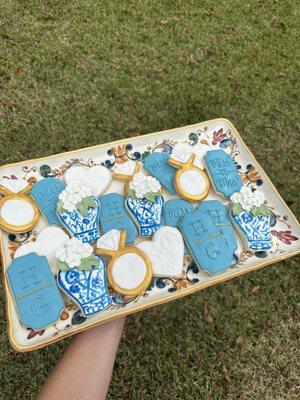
{"type": "Point", "coordinates": [218, 136]}
{"type": "Point", "coordinates": [284, 236]}
{"type": "Point", "coordinates": [76, 254]}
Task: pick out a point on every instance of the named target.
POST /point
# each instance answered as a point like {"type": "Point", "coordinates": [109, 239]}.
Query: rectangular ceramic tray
{"type": "Point", "coordinates": [214, 134]}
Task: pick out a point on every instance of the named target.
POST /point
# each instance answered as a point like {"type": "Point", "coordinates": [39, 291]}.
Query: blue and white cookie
{"type": "Point", "coordinates": [205, 242]}
{"type": "Point", "coordinates": [220, 216]}
{"type": "Point", "coordinates": [145, 202]}
{"type": "Point", "coordinates": [45, 193]}
{"type": "Point", "coordinates": [78, 209]}
{"type": "Point", "coordinates": [174, 210]}
{"type": "Point", "coordinates": [222, 172]}
{"type": "Point", "coordinates": [33, 287]}
{"type": "Point", "coordinates": [157, 165]}
{"type": "Point", "coordinates": [113, 215]}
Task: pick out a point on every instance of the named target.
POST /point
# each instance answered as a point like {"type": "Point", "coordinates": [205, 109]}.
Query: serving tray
{"type": "Point", "coordinates": [209, 135]}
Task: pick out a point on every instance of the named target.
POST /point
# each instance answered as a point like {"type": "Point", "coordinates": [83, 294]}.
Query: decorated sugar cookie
{"type": "Point", "coordinates": [145, 202]}
{"type": "Point", "coordinates": [78, 210]}
{"type": "Point", "coordinates": [45, 193]}
{"type": "Point", "coordinates": [182, 151]}
{"type": "Point", "coordinates": [165, 251]}
{"type": "Point", "coordinates": [223, 172]}
{"type": "Point", "coordinates": [34, 290]}
{"type": "Point", "coordinates": [205, 242]}
{"type": "Point", "coordinates": [97, 178]}
{"type": "Point", "coordinates": [174, 210]}
{"type": "Point", "coordinates": [251, 216]}
{"type": "Point", "coordinates": [18, 212]}
{"type": "Point", "coordinates": [191, 182]}
{"type": "Point", "coordinates": [48, 241]}
{"type": "Point", "coordinates": [82, 277]}
{"type": "Point", "coordinates": [129, 270]}
{"type": "Point", "coordinates": [220, 216]}
{"type": "Point", "coordinates": [125, 172]}
{"type": "Point", "coordinates": [113, 215]}
{"type": "Point", "coordinates": [157, 165]}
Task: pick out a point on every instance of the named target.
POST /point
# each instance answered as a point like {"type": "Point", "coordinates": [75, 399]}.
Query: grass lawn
{"type": "Point", "coordinates": [79, 73]}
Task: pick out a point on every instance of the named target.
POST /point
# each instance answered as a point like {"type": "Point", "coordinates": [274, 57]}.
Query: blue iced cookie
{"type": "Point", "coordinates": [174, 210]}
{"type": "Point", "coordinates": [87, 288]}
{"type": "Point", "coordinates": [35, 292]}
{"type": "Point", "coordinates": [205, 242]}
{"type": "Point", "coordinates": [113, 215]}
{"type": "Point", "coordinates": [220, 216]}
{"type": "Point", "coordinates": [45, 193]}
{"type": "Point", "coordinates": [223, 172]}
{"type": "Point", "coordinates": [157, 165]}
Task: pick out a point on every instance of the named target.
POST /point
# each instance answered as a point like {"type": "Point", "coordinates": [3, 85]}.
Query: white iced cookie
{"type": "Point", "coordinates": [166, 252]}
{"type": "Point", "coordinates": [129, 269]}
{"type": "Point", "coordinates": [97, 178]}
{"type": "Point", "coordinates": [48, 242]}
{"type": "Point", "coordinates": [18, 212]}
{"type": "Point", "coordinates": [182, 151]}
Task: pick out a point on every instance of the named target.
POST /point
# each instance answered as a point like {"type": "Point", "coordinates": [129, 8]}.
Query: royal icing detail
{"type": "Point", "coordinates": [87, 288]}
{"type": "Point", "coordinates": [182, 151]}
{"type": "Point", "coordinates": [78, 210]}
{"type": "Point", "coordinates": [165, 251]}
{"type": "Point", "coordinates": [145, 203]}
{"type": "Point", "coordinates": [205, 242]}
{"type": "Point", "coordinates": [251, 215]}
{"type": "Point", "coordinates": [113, 215]}
{"type": "Point", "coordinates": [223, 172]}
{"type": "Point", "coordinates": [34, 290]}
{"type": "Point", "coordinates": [157, 165]}
{"type": "Point", "coordinates": [220, 216]}
{"type": "Point", "coordinates": [124, 172]}
{"type": "Point", "coordinates": [174, 210]}
{"type": "Point", "coordinates": [18, 212]}
{"type": "Point", "coordinates": [129, 270]}
{"type": "Point", "coordinates": [97, 178]}
{"type": "Point", "coordinates": [49, 240]}
{"type": "Point", "coordinates": [45, 193]}
{"type": "Point", "coordinates": [190, 181]}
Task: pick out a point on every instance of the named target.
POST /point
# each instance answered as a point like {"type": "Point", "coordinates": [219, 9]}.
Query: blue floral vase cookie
{"type": "Point", "coordinates": [78, 210]}
{"type": "Point", "coordinates": [145, 203]}
{"type": "Point", "coordinates": [251, 215]}
{"type": "Point", "coordinates": [82, 276]}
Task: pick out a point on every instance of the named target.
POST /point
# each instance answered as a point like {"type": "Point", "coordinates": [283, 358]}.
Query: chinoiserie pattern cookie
{"type": "Point", "coordinates": [78, 210]}
{"type": "Point", "coordinates": [82, 276]}
{"type": "Point", "coordinates": [250, 214]}
{"type": "Point", "coordinates": [145, 202]}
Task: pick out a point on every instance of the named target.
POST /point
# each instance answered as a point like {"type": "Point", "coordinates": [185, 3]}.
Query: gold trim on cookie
{"type": "Point", "coordinates": [182, 168]}
{"type": "Point", "coordinates": [127, 178]}
{"type": "Point", "coordinates": [115, 254]}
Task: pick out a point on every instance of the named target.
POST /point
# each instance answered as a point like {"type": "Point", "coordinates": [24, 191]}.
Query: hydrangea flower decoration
{"type": "Point", "coordinates": [253, 202]}
{"type": "Point", "coordinates": [145, 202]}
{"type": "Point", "coordinates": [75, 254]}
{"type": "Point", "coordinates": [143, 186]}
{"type": "Point", "coordinates": [76, 197]}
{"type": "Point", "coordinates": [78, 210]}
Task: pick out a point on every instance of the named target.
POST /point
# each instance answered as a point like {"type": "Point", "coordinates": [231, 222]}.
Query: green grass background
{"type": "Point", "coordinates": [80, 73]}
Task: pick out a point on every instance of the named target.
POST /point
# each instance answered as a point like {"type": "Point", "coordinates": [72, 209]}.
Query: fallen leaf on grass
{"type": "Point", "coordinates": [239, 340]}
{"type": "Point", "coordinates": [225, 373]}
{"type": "Point", "coordinates": [255, 289]}
{"type": "Point", "coordinates": [163, 21]}
{"type": "Point", "coordinates": [207, 316]}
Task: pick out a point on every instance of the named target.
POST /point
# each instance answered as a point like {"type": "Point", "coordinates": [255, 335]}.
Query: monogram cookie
{"type": "Point", "coordinates": [157, 165]}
